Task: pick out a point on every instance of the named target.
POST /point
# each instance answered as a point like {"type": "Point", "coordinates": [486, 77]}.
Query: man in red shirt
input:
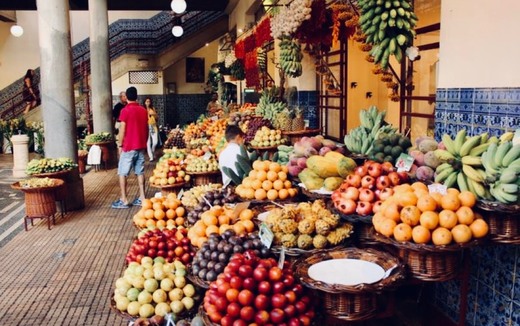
{"type": "Point", "coordinates": [133, 135]}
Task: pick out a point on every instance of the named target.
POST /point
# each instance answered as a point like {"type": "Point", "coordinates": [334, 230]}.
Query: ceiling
{"type": "Point", "coordinates": [193, 5]}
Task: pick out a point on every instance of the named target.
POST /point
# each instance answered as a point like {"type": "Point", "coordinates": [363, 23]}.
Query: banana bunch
{"type": "Point", "coordinates": [360, 139]}
{"type": "Point", "coordinates": [291, 57]}
{"type": "Point", "coordinates": [261, 58]}
{"type": "Point", "coordinates": [49, 165]}
{"type": "Point", "coordinates": [502, 170]}
{"type": "Point", "coordinates": [462, 162]}
{"type": "Point", "coordinates": [389, 26]}
{"type": "Point", "coordinates": [269, 105]}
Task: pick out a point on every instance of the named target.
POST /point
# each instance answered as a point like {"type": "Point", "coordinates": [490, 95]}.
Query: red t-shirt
{"type": "Point", "coordinates": [135, 118]}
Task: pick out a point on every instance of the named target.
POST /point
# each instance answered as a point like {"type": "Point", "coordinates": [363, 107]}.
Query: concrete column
{"type": "Point", "coordinates": [20, 155]}
{"type": "Point", "coordinates": [101, 85]}
{"type": "Point", "coordinates": [59, 112]}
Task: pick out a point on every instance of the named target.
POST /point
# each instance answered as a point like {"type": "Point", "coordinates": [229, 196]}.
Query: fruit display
{"type": "Point", "coordinates": [199, 143]}
{"type": "Point", "coordinates": [173, 153]}
{"type": "Point", "coordinates": [389, 26]}
{"type": "Point", "coordinates": [215, 253]}
{"type": "Point", "coordinates": [169, 244]}
{"type": "Point", "coordinates": [257, 290]}
{"type": "Point", "coordinates": [191, 198]}
{"type": "Point", "coordinates": [160, 212]}
{"type": "Point", "coordinates": [307, 226]}
{"type": "Point", "coordinates": [266, 181]}
{"type": "Point", "coordinates": [240, 118]}
{"type": "Point", "coordinates": [414, 214]}
{"type": "Point", "coordinates": [461, 162]}
{"type": "Point", "coordinates": [37, 183]}
{"type": "Point", "coordinates": [217, 197]}
{"type": "Point", "coordinates": [175, 139]}
{"type": "Point", "coordinates": [266, 137]}
{"type": "Point", "coordinates": [269, 105]}
{"type": "Point", "coordinates": [291, 57]}
{"type": "Point", "coordinates": [326, 171]}
{"type": "Point", "coordinates": [202, 164]}
{"type": "Point", "coordinates": [425, 161]}
{"type": "Point", "coordinates": [218, 219]}
{"type": "Point", "coordinates": [49, 165]}
{"type": "Point", "coordinates": [309, 146]}
{"type": "Point", "coordinates": [193, 131]}
{"type": "Point", "coordinates": [252, 126]}
{"type": "Point", "coordinates": [168, 172]}
{"type": "Point", "coordinates": [387, 148]}
{"type": "Point", "coordinates": [99, 137]}
{"type": "Point", "coordinates": [360, 139]}
{"type": "Point", "coordinates": [154, 287]}
{"type": "Point", "coordinates": [282, 155]}
{"type": "Point", "coordinates": [364, 190]}
{"type": "Point", "coordinates": [502, 167]}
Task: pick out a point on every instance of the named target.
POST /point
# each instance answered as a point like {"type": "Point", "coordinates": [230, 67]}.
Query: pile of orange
{"type": "Point", "coordinates": [412, 213]}
{"type": "Point", "coordinates": [219, 219]}
{"type": "Point", "coordinates": [266, 181]}
{"type": "Point", "coordinates": [160, 212]}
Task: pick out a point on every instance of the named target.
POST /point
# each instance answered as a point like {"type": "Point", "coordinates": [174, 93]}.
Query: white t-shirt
{"type": "Point", "coordinates": [228, 158]}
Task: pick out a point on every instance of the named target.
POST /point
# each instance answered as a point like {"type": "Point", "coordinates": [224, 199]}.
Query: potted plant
{"type": "Point", "coordinates": [82, 156]}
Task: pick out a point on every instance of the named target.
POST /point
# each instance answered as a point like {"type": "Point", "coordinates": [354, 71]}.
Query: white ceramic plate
{"type": "Point", "coordinates": [346, 272]}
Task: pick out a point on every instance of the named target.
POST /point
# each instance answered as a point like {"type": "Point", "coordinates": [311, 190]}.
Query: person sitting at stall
{"type": "Point", "coordinates": [228, 157]}
{"type": "Point", "coordinates": [213, 105]}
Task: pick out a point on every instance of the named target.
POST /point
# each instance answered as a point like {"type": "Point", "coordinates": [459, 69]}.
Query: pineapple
{"type": "Point", "coordinates": [298, 123]}
{"type": "Point", "coordinates": [283, 120]}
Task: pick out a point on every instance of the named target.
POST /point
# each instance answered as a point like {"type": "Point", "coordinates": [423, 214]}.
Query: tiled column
{"type": "Point", "coordinates": [100, 66]}
{"type": "Point", "coordinates": [59, 113]}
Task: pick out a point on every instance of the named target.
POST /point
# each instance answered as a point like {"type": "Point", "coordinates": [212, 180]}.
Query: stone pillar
{"type": "Point", "coordinates": [57, 93]}
{"type": "Point", "coordinates": [101, 86]}
{"type": "Point", "coordinates": [20, 155]}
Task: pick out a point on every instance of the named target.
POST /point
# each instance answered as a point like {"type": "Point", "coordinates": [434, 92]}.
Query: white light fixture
{"type": "Point", "coordinates": [207, 44]}
{"type": "Point", "coordinates": [177, 31]}
{"type": "Point", "coordinates": [178, 6]}
{"type": "Point", "coordinates": [17, 30]}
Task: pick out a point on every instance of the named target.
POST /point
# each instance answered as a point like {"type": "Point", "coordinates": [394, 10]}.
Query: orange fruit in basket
{"type": "Point", "coordinates": [407, 198]}
{"type": "Point", "coordinates": [429, 220]}
{"type": "Point", "coordinates": [239, 228]}
{"type": "Point", "coordinates": [283, 194]}
{"type": "Point", "coordinates": [178, 221]}
{"type": "Point", "coordinates": [461, 233]}
{"type": "Point", "coordinates": [260, 194]}
{"type": "Point", "coordinates": [479, 228]}
{"type": "Point", "coordinates": [376, 221]}
{"type": "Point", "coordinates": [223, 219]}
{"type": "Point", "coordinates": [170, 214]}
{"type": "Point", "coordinates": [140, 213]}
{"type": "Point", "coordinates": [426, 203]}
{"type": "Point", "coordinates": [282, 175]}
{"type": "Point", "coordinates": [159, 214]}
{"type": "Point", "coordinates": [420, 234]}
{"type": "Point", "coordinates": [287, 184]}
{"type": "Point", "coordinates": [199, 228]}
{"type": "Point", "coordinates": [272, 194]}
{"type": "Point", "coordinates": [272, 176]}
{"type": "Point", "coordinates": [211, 229]}
{"type": "Point", "coordinates": [248, 225]}
{"type": "Point", "coordinates": [403, 188]}
{"type": "Point", "coordinates": [256, 184]}
{"type": "Point", "coordinates": [150, 223]}
{"type": "Point", "coordinates": [149, 213]}
{"type": "Point", "coordinates": [387, 226]}
{"type": "Point", "coordinates": [453, 191]}
{"type": "Point", "coordinates": [171, 196]}
{"type": "Point", "coordinates": [158, 206]}
{"type": "Point", "coordinates": [265, 165]}
{"type": "Point", "coordinates": [180, 211]}
{"type": "Point", "coordinates": [224, 227]}
{"type": "Point", "coordinates": [438, 197]}
{"type": "Point", "coordinates": [465, 215]}
{"type": "Point", "coordinates": [258, 165]}
{"type": "Point", "coordinates": [441, 236]}
{"type": "Point", "coordinates": [170, 223]}
{"type": "Point", "coordinates": [403, 232]}
{"type": "Point", "coordinates": [275, 167]}
{"type": "Point", "coordinates": [292, 192]}
{"type": "Point", "coordinates": [278, 184]}
{"type": "Point", "coordinates": [209, 219]}
{"type": "Point", "coordinates": [249, 193]}
{"type": "Point", "coordinates": [448, 219]}
{"type": "Point", "coordinates": [261, 175]}
{"type": "Point", "coordinates": [147, 204]}
{"type": "Point", "coordinates": [391, 211]}
{"type": "Point", "coordinates": [246, 214]}
{"type": "Point", "coordinates": [285, 169]}
{"type": "Point", "coordinates": [410, 215]}
{"type": "Point", "coordinates": [246, 183]}
{"type": "Point", "coordinates": [467, 198]}
{"type": "Point", "coordinates": [419, 186]}
{"type": "Point", "coordinates": [160, 224]}
{"type": "Point", "coordinates": [267, 185]}
{"type": "Point", "coordinates": [252, 174]}
{"type": "Point", "coordinates": [450, 201]}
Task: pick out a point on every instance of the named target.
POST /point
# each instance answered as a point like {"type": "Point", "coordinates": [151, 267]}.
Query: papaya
{"type": "Point", "coordinates": [346, 166]}
{"type": "Point", "coordinates": [332, 183]}
{"type": "Point", "coordinates": [310, 179]}
{"type": "Point", "coordinates": [323, 166]}
{"type": "Point", "coordinates": [334, 156]}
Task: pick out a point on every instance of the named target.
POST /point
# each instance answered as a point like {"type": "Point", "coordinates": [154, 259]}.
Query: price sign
{"type": "Point", "coordinates": [437, 187]}
{"type": "Point", "coordinates": [180, 194]}
{"type": "Point", "coordinates": [266, 235]}
{"type": "Point", "coordinates": [281, 260]}
{"type": "Point", "coordinates": [214, 118]}
{"type": "Point", "coordinates": [207, 201]}
{"type": "Point", "coordinates": [404, 163]}
{"type": "Point", "coordinates": [158, 195]}
{"type": "Point", "coordinates": [206, 156]}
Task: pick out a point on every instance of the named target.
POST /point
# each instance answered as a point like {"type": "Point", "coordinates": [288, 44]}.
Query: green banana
{"type": "Point", "coordinates": [451, 179]}
{"type": "Point", "coordinates": [462, 182]}
{"type": "Point", "coordinates": [448, 143]}
{"type": "Point", "coordinates": [490, 158]}
{"type": "Point", "coordinates": [443, 167]}
{"type": "Point", "coordinates": [459, 141]}
{"type": "Point", "coordinates": [510, 188]}
{"type": "Point", "coordinates": [498, 192]}
{"type": "Point", "coordinates": [444, 155]}
{"type": "Point", "coordinates": [512, 154]}
{"type": "Point", "coordinates": [478, 150]}
{"type": "Point", "coordinates": [508, 176]}
{"type": "Point", "coordinates": [471, 173]}
{"type": "Point", "coordinates": [472, 160]}
{"type": "Point", "coordinates": [484, 137]}
{"type": "Point", "coordinates": [479, 189]}
{"type": "Point", "coordinates": [469, 145]}
{"type": "Point", "coordinates": [444, 174]}
{"type": "Point", "coordinates": [502, 150]}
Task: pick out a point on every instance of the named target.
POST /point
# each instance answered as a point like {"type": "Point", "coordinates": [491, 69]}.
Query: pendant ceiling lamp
{"type": "Point", "coordinates": [178, 6]}
{"type": "Point", "coordinates": [17, 30]}
{"type": "Point", "coordinates": [177, 31]}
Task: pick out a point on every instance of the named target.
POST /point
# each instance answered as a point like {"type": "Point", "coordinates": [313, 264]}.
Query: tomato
{"type": "Point", "coordinates": [261, 302]}
{"type": "Point", "coordinates": [215, 317]}
{"type": "Point", "coordinates": [275, 274]}
{"type": "Point", "coordinates": [290, 296]}
{"type": "Point", "coordinates": [264, 287]}
{"type": "Point", "coordinates": [294, 322]}
{"type": "Point", "coordinates": [233, 309]}
{"type": "Point", "coordinates": [277, 316]}
{"type": "Point", "coordinates": [247, 313]}
{"type": "Point", "coordinates": [245, 271]}
{"type": "Point", "coordinates": [221, 304]}
{"type": "Point", "coordinates": [301, 307]}
{"type": "Point", "coordinates": [239, 322]}
{"type": "Point", "coordinates": [232, 295]}
{"type": "Point", "coordinates": [262, 317]}
{"type": "Point", "coordinates": [288, 280]}
{"type": "Point", "coordinates": [260, 274]}
{"type": "Point", "coordinates": [290, 310]}
{"type": "Point", "coordinates": [279, 301]}
{"type": "Point", "coordinates": [305, 321]}
{"type": "Point", "coordinates": [227, 321]}
{"type": "Point", "coordinates": [222, 288]}
{"type": "Point", "coordinates": [278, 287]}
{"type": "Point", "coordinates": [245, 297]}
{"type": "Point", "coordinates": [249, 284]}
{"type": "Point", "coordinates": [236, 282]}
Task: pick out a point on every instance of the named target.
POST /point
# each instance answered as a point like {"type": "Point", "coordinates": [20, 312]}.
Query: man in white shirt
{"type": "Point", "coordinates": [228, 156]}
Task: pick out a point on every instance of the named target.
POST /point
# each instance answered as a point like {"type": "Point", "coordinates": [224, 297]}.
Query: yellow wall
{"type": "Point", "coordinates": [122, 84]}
{"type": "Point", "coordinates": [479, 43]}
{"type": "Point", "coordinates": [177, 72]}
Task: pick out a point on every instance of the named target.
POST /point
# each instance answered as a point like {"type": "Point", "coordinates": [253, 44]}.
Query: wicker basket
{"type": "Point", "coordinates": [357, 302]}
{"type": "Point", "coordinates": [197, 281]}
{"type": "Point", "coordinates": [429, 262]}
{"type": "Point", "coordinates": [503, 220]}
{"type": "Point", "coordinates": [41, 201]}
{"type": "Point", "coordinates": [362, 226]}
{"type": "Point", "coordinates": [314, 195]}
{"type": "Point", "coordinates": [204, 178]}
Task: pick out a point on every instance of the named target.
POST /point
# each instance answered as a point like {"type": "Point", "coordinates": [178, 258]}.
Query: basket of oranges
{"type": "Point", "coordinates": [430, 229]}
{"type": "Point", "coordinates": [160, 212]}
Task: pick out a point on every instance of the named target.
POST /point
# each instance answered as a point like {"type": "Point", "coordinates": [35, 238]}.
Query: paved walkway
{"type": "Point", "coordinates": [63, 276]}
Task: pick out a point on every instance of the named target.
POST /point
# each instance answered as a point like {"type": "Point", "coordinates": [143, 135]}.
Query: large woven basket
{"type": "Point", "coordinates": [503, 221]}
{"type": "Point", "coordinates": [429, 262]}
{"type": "Point", "coordinates": [204, 178]}
{"type": "Point", "coordinates": [41, 201]}
{"type": "Point", "coordinates": [351, 303]}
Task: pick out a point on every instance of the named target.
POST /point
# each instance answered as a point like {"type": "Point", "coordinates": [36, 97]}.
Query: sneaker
{"type": "Point", "coordinates": [119, 204]}
{"type": "Point", "coordinates": [137, 202]}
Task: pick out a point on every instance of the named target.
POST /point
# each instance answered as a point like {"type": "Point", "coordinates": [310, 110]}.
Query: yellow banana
{"type": "Point", "coordinates": [448, 143]}
{"type": "Point", "coordinates": [472, 160]}
{"type": "Point", "coordinates": [462, 182]}
{"type": "Point", "coordinates": [451, 179]}
{"type": "Point", "coordinates": [478, 150]}
{"type": "Point", "coordinates": [471, 173]}
{"type": "Point", "coordinates": [444, 155]}
{"type": "Point", "coordinates": [508, 136]}
{"type": "Point", "coordinates": [478, 187]}
{"type": "Point", "coordinates": [469, 145]}
{"type": "Point", "coordinates": [440, 177]}
{"type": "Point", "coordinates": [459, 140]}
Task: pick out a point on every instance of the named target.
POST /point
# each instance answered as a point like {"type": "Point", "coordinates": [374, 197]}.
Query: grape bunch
{"type": "Point", "coordinates": [193, 197]}
{"type": "Point", "coordinates": [175, 139]}
{"type": "Point", "coordinates": [255, 124]}
{"type": "Point", "coordinates": [215, 198]}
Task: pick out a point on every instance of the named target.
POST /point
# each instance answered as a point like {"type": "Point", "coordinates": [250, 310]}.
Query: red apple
{"type": "Point", "coordinates": [375, 169]}
{"type": "Point", "coordinates": [368, 182]}
{"type": "Point", "coordinates": [364, 208]}
{"type": "Point", "coordinates": [394, 178]}
{"type": "Point", "coordinates": [383, 182]}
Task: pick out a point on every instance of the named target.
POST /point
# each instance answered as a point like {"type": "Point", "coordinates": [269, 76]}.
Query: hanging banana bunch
{"type": "Point", "coordinates": [291, 57]}
{"type": "Point", "coordinates": [388, 26]}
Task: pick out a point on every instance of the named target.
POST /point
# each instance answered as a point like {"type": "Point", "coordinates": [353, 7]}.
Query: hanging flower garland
{"type": "Point", "coordinates": [240, 52]}
{"type": "Point", "coordinates": [251, 70]}
{"type": "Point", "coordinates": [263, 32]}
{"type": "Point", "coordinates": [287, 21]}
{"type": "Point", "coordinates": [249, 43]}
